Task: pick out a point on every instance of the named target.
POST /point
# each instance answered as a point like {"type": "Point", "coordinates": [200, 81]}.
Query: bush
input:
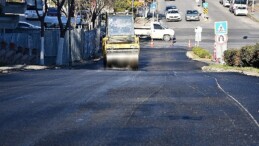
{"type": "Point", "coordinates": [247, 55]}
{"type": "Point", "coordinates": [255, 60]}
{"type": "Point", "coordinates": [232, 57]}
{"type": "Point", "coordinates": [202, 53]}
{"type": "Point", "coordinates": [1, 9]}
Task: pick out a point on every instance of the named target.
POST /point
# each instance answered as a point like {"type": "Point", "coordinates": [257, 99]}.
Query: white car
{"type": "Point", "coordinates": [26, 25]}
{"type": "Point", "coordinates": [173, 15]}
{"type": "Point", "coordinates": [241, 10]}
{"type": "Point", "coordinates": [170, 8]}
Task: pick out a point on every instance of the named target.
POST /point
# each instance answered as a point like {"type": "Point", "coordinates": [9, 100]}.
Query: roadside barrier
{"type": "Point", "coordinates": [189, 44]}
{"type": "Point", "coordinates": [152, 43]}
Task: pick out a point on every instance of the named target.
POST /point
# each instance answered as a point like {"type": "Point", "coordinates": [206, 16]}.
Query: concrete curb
{"type": "Point", "coordinates": [212, 68]}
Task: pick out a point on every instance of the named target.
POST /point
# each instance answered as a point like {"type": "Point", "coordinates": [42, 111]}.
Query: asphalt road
{"type": "Point", "coordinates": [168, 101]}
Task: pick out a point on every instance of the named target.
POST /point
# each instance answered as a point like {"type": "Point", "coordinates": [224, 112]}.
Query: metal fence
{"type": "Point", "coordinates": [84, 44]}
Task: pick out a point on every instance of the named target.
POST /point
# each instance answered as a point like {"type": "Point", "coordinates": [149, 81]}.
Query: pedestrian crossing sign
{"type": "Point", "coordinates": [221, 27]}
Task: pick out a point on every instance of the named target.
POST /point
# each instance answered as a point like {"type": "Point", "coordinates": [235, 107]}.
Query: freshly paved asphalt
{"type": "Point", "coordinates": [168, 101]}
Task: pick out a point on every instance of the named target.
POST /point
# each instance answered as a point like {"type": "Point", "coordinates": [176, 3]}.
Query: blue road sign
{"type": "Point", "coordinates": [221, 27]}
{"type": "Point", "coordinates": [153, 5]}
{"type": "Point", "coordinates": [205, 5]}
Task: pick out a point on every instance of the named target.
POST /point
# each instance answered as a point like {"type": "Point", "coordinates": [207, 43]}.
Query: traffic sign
{"type": "Point", "coordinates": [205, 5]}
{"type": "Point", "coordinates": [205, 11]}
{"type": "Point", "coordinates": [221, 27]}
{"type": "Point", "coordinates": [221, 39]}
{"type": "Point", "coordinates": [153, 5]}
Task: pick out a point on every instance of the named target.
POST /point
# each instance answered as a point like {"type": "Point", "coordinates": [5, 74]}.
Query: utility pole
{"type": "Point", "coordinates": [253, 5]}
{"type": "Point", "coordinates": [132, 6]}
{"type": "Point", "coordinates": [153, 11]}
{"type": "Point", "coordinates": [69, 35]}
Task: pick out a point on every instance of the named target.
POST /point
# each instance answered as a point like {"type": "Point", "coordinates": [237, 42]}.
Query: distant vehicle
{"type": "Point", "coordinates": [241, 10]}
{"type": "Point", "coordinates": [26, 25]}
{"type": "Point", "coordinates": [173, 16]}
{"type": "Point", "coordinates": [52, 21]}
{"type": "Point", "coordinates": [170, 8]}
{"type": "Point", "coordinates": [30, 12]}
{"type": "Point", "coordinates": [237, 3]}
{"type": "Point", "coordinates": [226, 3]}
{"type": "Point", "coordinates": [192, 15]}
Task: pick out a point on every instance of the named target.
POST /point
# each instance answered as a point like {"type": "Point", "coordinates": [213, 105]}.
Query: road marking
{"type": "Point", "coordinates": [238, 103]}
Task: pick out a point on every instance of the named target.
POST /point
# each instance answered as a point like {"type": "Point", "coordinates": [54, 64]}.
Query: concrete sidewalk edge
{"type": "Point", "coordinates": [7, 69]}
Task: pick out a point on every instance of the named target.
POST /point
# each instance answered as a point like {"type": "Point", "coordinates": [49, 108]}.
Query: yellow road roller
{"type": "Point", "coordinates": [120, 45]}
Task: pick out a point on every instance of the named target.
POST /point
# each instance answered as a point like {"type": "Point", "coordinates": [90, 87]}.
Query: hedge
{"type": "Point", "coordinates": [232, 57]}
{"type": "Point", "coordinates": [201, 52]}
{"type": "Point", "coordinates": [247, 56]}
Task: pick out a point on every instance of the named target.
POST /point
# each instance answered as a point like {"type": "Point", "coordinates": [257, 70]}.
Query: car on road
{"type": "Point", "coordinates": [26, 25]}
{"type": "Point", "coordinates": [173, 15]}
{"type": "Point", "coordinates": [241, 10]}
{"type": "Point", "coordinates": [170, 8]}
{"type": "Point", "coordinates": [192, 15]}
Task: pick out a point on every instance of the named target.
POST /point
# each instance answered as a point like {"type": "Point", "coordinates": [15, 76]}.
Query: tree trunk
{"type": "Point", "coordinates": [42, 52]}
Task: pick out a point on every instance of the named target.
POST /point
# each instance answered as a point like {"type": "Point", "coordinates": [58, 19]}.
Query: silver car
{"type": "Point", "coordinates": [192, 15]}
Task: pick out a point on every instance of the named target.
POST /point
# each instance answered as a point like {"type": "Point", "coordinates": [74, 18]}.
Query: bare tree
{"type": "Point", "coordinates": [63, 27]}
{"type": "Point", "coordinates": [96, 7]}
{"type": "Point", "coordinates": [41, 19]}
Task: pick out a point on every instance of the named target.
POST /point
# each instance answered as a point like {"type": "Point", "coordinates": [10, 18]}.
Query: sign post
{"type": "Point", "coordinates": [221, 39]}
{"type": "Point", "coordinates": [153, 8]}
{"type": "Point", "coordinates": [205, 9]}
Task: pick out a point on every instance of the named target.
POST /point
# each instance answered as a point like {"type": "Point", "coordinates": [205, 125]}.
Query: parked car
{"type": "Point", "coordinates": [170, 8]}
{"type": "Point", "coordinates": [173, 15]}
{"type": "Point", "coordinates": [241, 10]}
{"type": "Point", "coordinates": [26, 25]}
{"type": "Point", "coordinates": [192, 15]}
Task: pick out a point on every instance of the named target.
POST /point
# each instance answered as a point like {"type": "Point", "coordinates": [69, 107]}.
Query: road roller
{"type": "Point", "coordinates": [120, 45]}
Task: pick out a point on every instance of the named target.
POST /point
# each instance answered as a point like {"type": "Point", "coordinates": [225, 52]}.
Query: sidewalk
{"type": "Point", "coordinates": [7, 69]}
{"type": "Point", "coordinates": [254, 15]}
